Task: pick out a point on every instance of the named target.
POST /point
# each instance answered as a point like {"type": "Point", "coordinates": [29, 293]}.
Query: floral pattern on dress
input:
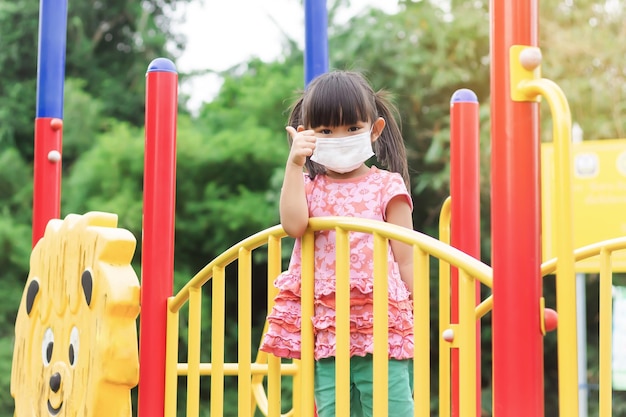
{"type": "Point", "coordinates": [365, 196]}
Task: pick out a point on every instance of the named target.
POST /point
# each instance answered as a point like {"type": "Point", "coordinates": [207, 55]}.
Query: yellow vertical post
{"type": "Point", "coordinates": [244, 344]}
{"type": "Point", "coordinates": [342, 322]}
{"type": "Point", "coordinates": [193, 352]}
{"type": "Point", "coordinates": [274, 363]}
{"type": "Point", "coordinates": [381, 325]}
{"type": "Point", "coordinates": [606, 314]}
{"type": "Point", "coordinates": [444, 314]}
{"type": "Point", "coordinates": [565, 282]}
{"type": "Point", "coordinates": [308, 285]}
{"type": "Point", "coordinates": [171, 362]}
{"type": "Point", "coordinates": [217, 340]}
{"type": "Point", "coordinates": [525, 85]}
{"type": "Point", "coordinates": [421, 317]}
{"type": "Point", "coordinates": [467, 336]}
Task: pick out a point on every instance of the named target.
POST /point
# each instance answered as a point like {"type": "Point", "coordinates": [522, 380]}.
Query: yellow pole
{"type": "Point", "coordinates": [171, 361]}
{"type": "Point", "coordinates": [444, 314]}
{"type": "Point", "coordinates": [467, 336]}
{"type": "Point", "coordinates": [244, 345]}
{"type": "Point", "coordinates": [381, 326]}
{"type": "Point", "coordinates": [606, 314]}
{"type": "Point", "coordinates": [217, 338]}
{"type": "Point", "coordinates": [342, 322]}
{"type": "Point", "coordinates": [527, 86]}
{"type": "Point", "coordinates": [308, 285]}
{"type": "Point", "coordinates": [193, 353]}
{"type": "Point", "coordinates": [421, 318]}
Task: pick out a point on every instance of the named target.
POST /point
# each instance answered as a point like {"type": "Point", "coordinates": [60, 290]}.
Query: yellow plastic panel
{"type": "Point", "coordinates": [75, 334]}
{"type": "Point", "coordinates": [598, 195]}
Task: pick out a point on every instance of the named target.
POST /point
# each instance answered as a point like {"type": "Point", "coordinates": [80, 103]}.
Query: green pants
{"type": "Point", "coordinates": [362, 387]}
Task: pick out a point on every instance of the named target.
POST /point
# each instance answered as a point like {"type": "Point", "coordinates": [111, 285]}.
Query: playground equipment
{"type": "Point", "coordinates": [519, 315]}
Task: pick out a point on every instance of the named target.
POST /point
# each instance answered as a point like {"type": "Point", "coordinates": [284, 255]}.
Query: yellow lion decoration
{"type": "Point", "coordinates": [76, 349]}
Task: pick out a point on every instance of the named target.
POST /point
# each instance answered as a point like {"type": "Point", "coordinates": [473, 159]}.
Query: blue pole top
{"type": "Point", "coordinates": [51, 58]}
{"type": "Point", "coordinates": [162, 65]}
{"type": "Point", "coordinates": [315, 39]}
{"type": "Point", "coordinates": [464, 95]}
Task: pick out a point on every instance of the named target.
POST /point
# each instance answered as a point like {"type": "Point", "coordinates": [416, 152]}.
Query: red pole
{"type": "Point", "coordinates": [157, 259]}
{"type": "Point", "coordinates": [46, 174]}
{"type": "Point", "coordinates": [516, 223]}
{"type": "Point", "coordinates": [465, 213]}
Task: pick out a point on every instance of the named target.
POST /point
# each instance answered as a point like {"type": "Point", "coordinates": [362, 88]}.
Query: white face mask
{"type": "Point", "coordinates": [343, 154]}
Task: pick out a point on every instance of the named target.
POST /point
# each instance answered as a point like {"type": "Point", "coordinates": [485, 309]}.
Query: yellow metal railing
{"type": "Point", "coordinates": [250, 376]}
{"type": "Point", "coordinates": [423, 248]}
{"type": "Point", "coordinates": [604, 250]}
{"type": "Point", "coordinates": [268, 371]}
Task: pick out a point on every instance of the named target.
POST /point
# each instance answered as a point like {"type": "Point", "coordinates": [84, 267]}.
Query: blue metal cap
{"type": "Point", "coordinates": [161, 65]}
{"type": "Point", "coordinates": [464, 95]}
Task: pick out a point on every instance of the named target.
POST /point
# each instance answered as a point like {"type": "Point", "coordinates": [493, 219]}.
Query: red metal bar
{"type": "Point", "coordinates": [465, 214]}
{"type": "Point", "coordinates": [157, 259]}
{"type": "Point", "coordinates": [516, 221]}
{"type": "Point", "coordinates": [46, 174]}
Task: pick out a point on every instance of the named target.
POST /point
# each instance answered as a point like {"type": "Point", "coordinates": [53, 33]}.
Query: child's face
{"type": "Point", "coordinates": [342, 131]}
{"type": "Point", "coordinates": [345, 131]}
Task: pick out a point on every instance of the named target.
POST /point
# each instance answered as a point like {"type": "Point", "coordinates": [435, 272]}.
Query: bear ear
{"type": "Point", "coordinates": [31, 295]}
{"type": "Point", "coordinates": [87, 283]}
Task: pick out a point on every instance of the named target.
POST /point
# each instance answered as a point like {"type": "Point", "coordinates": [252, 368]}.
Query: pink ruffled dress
{"type": "Point", "coordinates": [366, 196]}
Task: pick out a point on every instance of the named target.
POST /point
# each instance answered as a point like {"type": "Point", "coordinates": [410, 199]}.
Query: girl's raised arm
{"type": "Point", "coordinates": [294, 212]}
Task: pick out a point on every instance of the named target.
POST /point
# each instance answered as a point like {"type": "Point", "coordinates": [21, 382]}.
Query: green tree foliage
{"type": "Point", "coordinates": [579, 53]}
{"type": "Point", "coordinates": [231, 155]}
{"type": "Point", "coordinates": [18, 62]}
{"type": "Point", "coordinates": [109, 45]}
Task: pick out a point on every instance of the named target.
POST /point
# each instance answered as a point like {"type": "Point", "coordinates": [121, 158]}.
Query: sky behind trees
{"type": "Point", "coordinates": [253, 29]}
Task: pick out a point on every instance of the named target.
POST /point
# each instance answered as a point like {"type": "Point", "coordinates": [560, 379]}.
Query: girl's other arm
{"type": "Point", "coordinates": [294, 212]}
{"type": "Point", "coordinates": [399, 212]}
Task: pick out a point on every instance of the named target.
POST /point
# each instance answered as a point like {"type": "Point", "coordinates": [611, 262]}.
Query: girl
{"type": "Point", "coordinates": [332, 128]}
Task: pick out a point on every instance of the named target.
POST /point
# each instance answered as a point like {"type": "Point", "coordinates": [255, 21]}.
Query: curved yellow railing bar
{"type": "Point", "coordinates": [225, 258]}
{"type": "Point", "coordinates": [427, 243]}
{"type": "Point", "coordinates": [526, 85]}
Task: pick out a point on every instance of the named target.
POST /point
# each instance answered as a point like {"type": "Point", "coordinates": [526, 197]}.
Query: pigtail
{"type": "Point", "coordinates": [389, 148]}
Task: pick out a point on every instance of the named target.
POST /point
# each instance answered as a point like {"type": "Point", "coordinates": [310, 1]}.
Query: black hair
{"type": "Point", "coordinates": [344, 98]}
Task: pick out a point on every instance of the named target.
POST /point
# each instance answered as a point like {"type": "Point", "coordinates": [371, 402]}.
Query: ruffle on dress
{"type": "Point", "coordinates": [284, 322]}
